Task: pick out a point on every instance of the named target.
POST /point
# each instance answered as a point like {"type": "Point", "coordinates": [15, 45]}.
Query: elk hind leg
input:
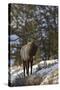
{"type": "Point", "coordinates": [31, 65]}
{"type": "Point", "coordinates": [27, 68]}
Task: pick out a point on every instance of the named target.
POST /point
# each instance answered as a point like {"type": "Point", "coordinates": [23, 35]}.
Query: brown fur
{"type": "Point", "coordinates": [27, 53]}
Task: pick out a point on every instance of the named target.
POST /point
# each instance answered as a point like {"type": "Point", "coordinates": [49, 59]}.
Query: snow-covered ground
{"type": "Point", "coordinates": [47, 72]}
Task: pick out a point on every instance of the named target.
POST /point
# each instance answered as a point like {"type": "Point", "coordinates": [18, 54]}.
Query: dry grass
{"type": "Point", "coordinates": [34, 80]}
{"type": "Point", "coordinates": [51, 79]}
{"type": "Point", "coordinates": [54, 78]}
{"type": "Point", "coordinates": [27, 81]}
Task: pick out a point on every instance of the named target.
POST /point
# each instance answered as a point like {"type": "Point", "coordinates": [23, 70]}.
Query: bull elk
{"type": "Point", "coordinates": [27, 52]}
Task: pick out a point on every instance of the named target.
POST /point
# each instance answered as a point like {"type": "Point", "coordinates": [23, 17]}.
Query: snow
{"type": "Point", "coordinates": [14, 42]}
{"type": "Point", "coordinates": [44, 72]}
{"type": "Point", "coordinates": [48, 70]}
{"type": "Point", "coordinates": [13, 37]}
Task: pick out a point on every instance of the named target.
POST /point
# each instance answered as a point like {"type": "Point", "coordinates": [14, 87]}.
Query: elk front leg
{"type": "Point", "coordinates": [31, 65]}
{"type": "Point", "coordinates": [24, 67]}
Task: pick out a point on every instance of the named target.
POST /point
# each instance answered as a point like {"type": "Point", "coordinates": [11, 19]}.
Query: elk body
{"type": "Point", "coordinates": [27, 52]}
